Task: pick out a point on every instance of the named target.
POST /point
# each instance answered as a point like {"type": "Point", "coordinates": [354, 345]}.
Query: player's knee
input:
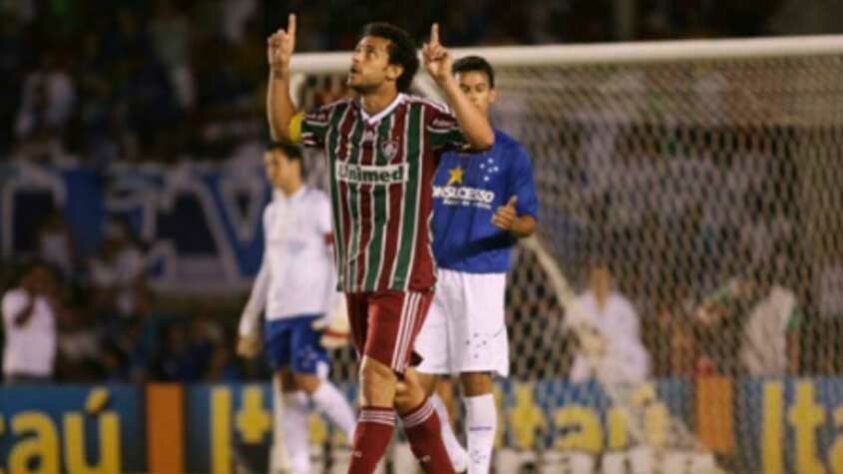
{"type": "Point", "coordinates": [377, 383]}
{"type": "Point", "coordinates": [476, 383]}
{"type": "Point", "coordinates": [408, 392]}
{"type": "Point", "coordinates": [307, 382]}
{"type": "Point", "coordinates": [374, 373]}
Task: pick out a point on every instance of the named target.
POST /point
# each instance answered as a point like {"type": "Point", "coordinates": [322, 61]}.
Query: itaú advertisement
{"type": "Point", "coordinates": [772, 426]}
{"type": "Point", "coordinates": [72, 429]}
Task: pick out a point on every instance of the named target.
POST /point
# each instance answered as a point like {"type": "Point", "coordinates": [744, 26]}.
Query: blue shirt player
{"type": "Point", "coordinates": [482, 203]}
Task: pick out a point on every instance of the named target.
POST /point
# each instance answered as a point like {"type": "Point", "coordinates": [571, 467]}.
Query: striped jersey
{"type": "Point", "coordinates": [381, 173]}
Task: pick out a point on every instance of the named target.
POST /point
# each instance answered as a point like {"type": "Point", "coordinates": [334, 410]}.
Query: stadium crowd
{"type": "Point", "coordinates": [102, 81]}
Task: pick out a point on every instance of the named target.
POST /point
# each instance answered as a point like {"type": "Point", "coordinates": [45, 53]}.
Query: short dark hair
{"type": "Point", "coordinates": [474, 64]}
{"type": "Point", "coordinates": [402, 50]}
{"type": "Point", "coordinates": [290, 150]}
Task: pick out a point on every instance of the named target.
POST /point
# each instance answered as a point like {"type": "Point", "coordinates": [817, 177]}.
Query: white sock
{"type": "Point", "coordinates": [295, 431]}
{"type": "Point", "coordinates": [458, 456]}
{"type": "Point", "coordinates": [331, 403]}
{"type": "Point", "coordinates": [481, 424]}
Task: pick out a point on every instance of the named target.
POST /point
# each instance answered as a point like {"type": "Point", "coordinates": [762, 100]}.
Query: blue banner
{"type": "Point", "coordinates": [202, 223]}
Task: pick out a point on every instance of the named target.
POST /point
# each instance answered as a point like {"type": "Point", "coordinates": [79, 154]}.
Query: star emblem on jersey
{"type": "Point", "coordinates": [489, 168]}
{"type": "Point", "coordinates": [389, 149]}
{"type": "Point", "coordinates": [456, 176]}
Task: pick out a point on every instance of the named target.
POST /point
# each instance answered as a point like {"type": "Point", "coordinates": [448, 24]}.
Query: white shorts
{"type": "Point", "coordinates": [465, 330]}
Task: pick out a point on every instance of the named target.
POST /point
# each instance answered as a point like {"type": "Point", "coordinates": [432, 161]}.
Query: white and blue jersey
{"type": "Point", "coordinates": [467, 190]}
{"type": "Point", "coordinates": [296, 283]}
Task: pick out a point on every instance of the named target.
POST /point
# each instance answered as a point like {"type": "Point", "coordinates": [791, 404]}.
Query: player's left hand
{"type": "Point", "coordinates": [248, 346]}
{"type": "Point", "coordinates": [437, 59]}
{"type": "Point", "coordinates": [505, 216]}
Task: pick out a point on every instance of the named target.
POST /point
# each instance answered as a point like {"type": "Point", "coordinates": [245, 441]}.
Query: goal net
{"type": "Point", "coordinates": [706, 176]}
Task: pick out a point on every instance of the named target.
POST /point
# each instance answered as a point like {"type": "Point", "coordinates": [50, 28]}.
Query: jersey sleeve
{"type": "Point", "coordinates": [309, 129]}
{"type": "Point", "coordinates": [522, 184]}
{"type": "Point", "coordinates": [443, 131]}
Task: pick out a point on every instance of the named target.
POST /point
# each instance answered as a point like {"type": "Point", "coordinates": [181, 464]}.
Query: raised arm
{"type": "Point", "coordinates": [474, 124]}
{"type": "Point", "coordinates": [279, 105]}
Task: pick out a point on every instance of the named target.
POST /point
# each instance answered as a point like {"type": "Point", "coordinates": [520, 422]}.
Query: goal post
{"type": "Point", "coordinates": [708, 174]}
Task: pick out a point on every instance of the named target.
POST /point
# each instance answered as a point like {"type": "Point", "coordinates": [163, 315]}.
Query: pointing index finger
{"type": "Point", "coordinates": [291, 25]}
{"type": "Point", "coordinates": [434, 33]}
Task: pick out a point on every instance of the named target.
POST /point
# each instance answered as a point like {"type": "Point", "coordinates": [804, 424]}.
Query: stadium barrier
{"type": "Point", "coordinates": [797, 425]}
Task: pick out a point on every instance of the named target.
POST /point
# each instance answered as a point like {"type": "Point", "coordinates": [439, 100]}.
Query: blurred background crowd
{"type": "Point", "coordinates": [101, 81]}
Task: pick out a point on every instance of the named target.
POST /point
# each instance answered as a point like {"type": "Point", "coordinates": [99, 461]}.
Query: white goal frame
{"type": "Point", "coordinates": [641, 52]}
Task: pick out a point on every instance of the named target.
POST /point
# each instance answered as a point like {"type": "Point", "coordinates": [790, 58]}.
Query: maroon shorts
{"type": "Point", "coordinates": [384, 325]}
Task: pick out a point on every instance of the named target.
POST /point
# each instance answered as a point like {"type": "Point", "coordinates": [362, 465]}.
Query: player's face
{"type": "Point", "coordinates": [277, 167]}
{"type": "Point", "coordinates": [370, 68]}
{"type": "Point", "coordinates": [475, 85]}
{"type": "Point", "coordinates": [270, 166]}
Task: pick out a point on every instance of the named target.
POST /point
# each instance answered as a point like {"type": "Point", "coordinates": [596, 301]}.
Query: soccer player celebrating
{"type": "Point", "coordinates": [483, 202]}
{"type": "Point", "coordinates": [382, 148]}
{"type": "Point", "coordinates": [296, 286]}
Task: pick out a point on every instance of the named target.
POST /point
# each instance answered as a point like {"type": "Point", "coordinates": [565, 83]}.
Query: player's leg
{"type": "Point", "coordinates": [421, 424]}
{"type": "Point", "coordinates": [295, 429]}
{"type": "Point", "coordinates": [485, 351]}
{"type": "Point", "coordinates": [309, 366]}
{"type": "Point", "coordinates": [393, 321]}
{"type": "Point", "coordinates": [375, 423]}
{"type": "Point", "coordinates": [279, 458]}
{"type": "Point", "coordinates": [481, 419]}
{"type": "Point", "coordinates": [444, 401]}
{"type": "Point", "coordinates": [432, 344]}
{"type": "Point", "coordinates": [292, 423]}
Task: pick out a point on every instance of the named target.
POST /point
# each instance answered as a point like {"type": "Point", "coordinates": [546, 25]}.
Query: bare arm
{"type": "Point", "coordinates": [279, 105]}
{"type": "Point", "coordinates": [249, 340]}
{"type": "Point", "coordinates": [474, 124]}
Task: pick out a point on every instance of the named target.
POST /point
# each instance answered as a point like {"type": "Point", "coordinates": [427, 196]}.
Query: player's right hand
{"type": "Point", "coordinates": [248, 346]}
{"type": "Point", "coordinates": [280, 46]}
{"type": "Point", "coordinates": [437, 59]}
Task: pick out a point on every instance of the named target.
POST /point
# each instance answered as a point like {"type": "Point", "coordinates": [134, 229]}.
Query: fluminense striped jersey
{"type": "Point", "coordinates": [381, 174]}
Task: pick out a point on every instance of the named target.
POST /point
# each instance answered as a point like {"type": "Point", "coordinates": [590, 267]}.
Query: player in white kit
{"type": "Point", "coordinates": [296, 290]}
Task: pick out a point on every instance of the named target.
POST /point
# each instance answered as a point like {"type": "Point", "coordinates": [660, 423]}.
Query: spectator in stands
{"type": "Point", "coordinates": [169, 32]}
{"type": "Point", "coordinates": [30, 327]}
{"type": "Point", "coordinates": [180, 359]}
{"type": "Point", "coordinates": [79, 352]}
{"type": "Point", "coordinates": [608, 330]}
{"type": "Point", "coordinates": [55, 244]}
{"type": "Point", "coordinates": [49, 95]}
{"type": "Point", "coordinates": [757, 313]}
{"type": "Point", "coordinates": [770, 344]}
{"type": "Point", "coordinates": [670, 336]}
{"type": "Point", "coordinates": [118, 273]}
